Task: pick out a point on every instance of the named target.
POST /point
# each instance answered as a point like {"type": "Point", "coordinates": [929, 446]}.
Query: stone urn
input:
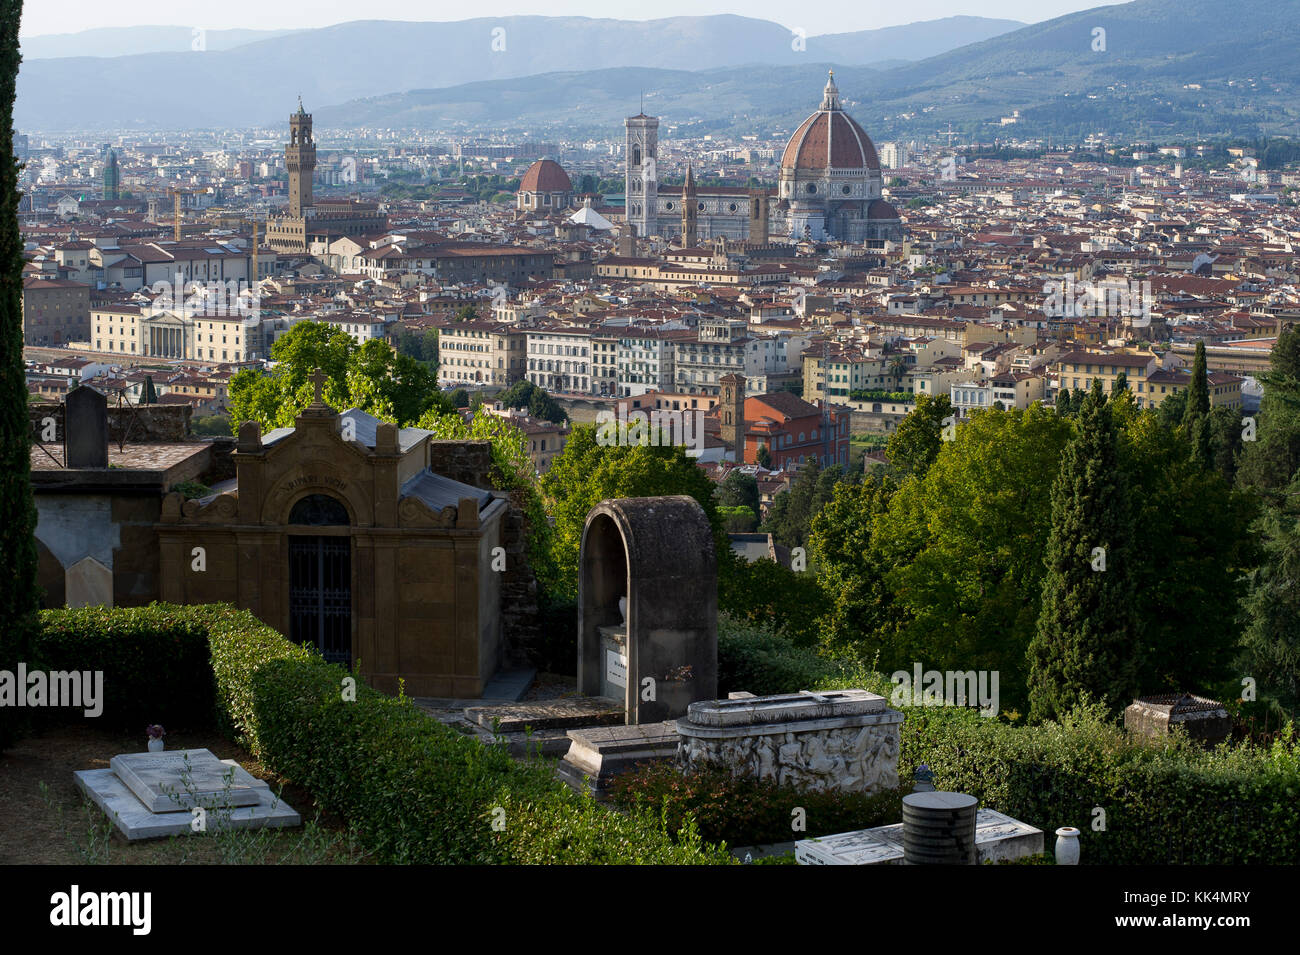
{"type": "Point", "coordinates": [1067, 846]}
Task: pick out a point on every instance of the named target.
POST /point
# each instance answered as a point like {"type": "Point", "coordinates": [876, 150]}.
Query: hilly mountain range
{"type": "Point", "coordinates": [258, 82]}
{"type": "Point", "coordinates": [1149, 69]}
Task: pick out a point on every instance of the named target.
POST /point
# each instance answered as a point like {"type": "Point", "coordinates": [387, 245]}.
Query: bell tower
{"type": "Point", "coordinates": [641, 182]}
{"type": "Point", "coordinates": [732, 404]}
{"type": "Point", "coordinates": [690, 212]}
{"type": "Point", "coordinates": [300, 160]}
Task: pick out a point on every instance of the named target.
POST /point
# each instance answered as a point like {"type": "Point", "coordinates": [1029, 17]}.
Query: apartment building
{"type": "Point", "coordinates": [481, 354]}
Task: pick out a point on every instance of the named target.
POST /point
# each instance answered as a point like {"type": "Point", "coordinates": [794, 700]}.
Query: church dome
{"type": "Point", "coordinates": [830, 139]}
{"type": "Point", "coordinates": [545, 175]}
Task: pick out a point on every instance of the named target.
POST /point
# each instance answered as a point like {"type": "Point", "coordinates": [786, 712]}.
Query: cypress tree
{"type": "Point", "coordinates": [1086, 645]}
{"type": "Point", "coordinates": [18, 593]}
{"type": "Point", "coordinates": [1196, 413]}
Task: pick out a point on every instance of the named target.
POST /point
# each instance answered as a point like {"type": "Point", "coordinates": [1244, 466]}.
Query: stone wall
{"type": "Point", "coordinates": [142, 424]}
{"type": "Point", "coordinates": [520, 614]}
{"type": "Point", "coordinates": [469, 462]}
{"type": "Point", "coordinates": [845, 740]}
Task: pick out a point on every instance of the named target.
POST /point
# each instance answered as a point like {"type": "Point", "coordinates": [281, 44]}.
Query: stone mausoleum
{"type": "Point", "coordinates": [363, 539]}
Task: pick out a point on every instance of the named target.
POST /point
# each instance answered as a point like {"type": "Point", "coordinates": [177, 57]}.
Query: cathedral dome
{"type": "Point", "coordinates": [829, 139]}
{"type": "Point", "coordinates": [545, 175]}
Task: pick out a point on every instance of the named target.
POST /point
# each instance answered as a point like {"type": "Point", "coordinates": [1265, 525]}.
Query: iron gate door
{"type": "Point", "coordinates": [320, 595]}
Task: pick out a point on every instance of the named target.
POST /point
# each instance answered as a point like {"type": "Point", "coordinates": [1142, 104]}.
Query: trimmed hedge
{"type": "Point", "coordinates": [1165, 802]}
{"type": "Point", "coordinates": [154, 660]}
{"type": "Point", "coordinates": [754, 659]}
{"type": "Point", "coordinates": [415, 790]}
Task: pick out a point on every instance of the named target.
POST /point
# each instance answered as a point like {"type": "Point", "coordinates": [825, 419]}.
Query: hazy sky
{"type": "Point", "coordinates": [826, 16]}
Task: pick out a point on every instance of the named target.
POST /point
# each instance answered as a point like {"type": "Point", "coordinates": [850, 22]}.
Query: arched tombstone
{"type": "Point", "coordinates": [659, 654]}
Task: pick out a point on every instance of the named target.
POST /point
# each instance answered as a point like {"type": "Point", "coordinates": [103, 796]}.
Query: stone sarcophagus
{"type": "Point", "coordinates": [844, 740]}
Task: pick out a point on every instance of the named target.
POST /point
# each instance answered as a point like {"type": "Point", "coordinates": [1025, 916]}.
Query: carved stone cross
{"type": "Point", "coordinates": [318, 379]}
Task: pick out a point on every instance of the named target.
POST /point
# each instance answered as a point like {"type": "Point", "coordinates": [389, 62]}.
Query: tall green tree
{"type": "Point", "coordinates": [1196, 410]}
{"type": "Point", "coordinates": [739, 489]}
{"type": "Point", "coordinates": [18, 590]}
{"type": "Point", "coordinates": [915, 443]}
{"type": "Point", "coordinates": [372, 377]}
{"type": "Point", "coordinates": [1087, 640]}
{"type": "Point", "coordinates": [587, 472]}
{"type": "Point", "coordinates": [1270, 470]}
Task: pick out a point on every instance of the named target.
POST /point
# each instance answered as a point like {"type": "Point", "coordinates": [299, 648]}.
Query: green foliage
{"type": "Point", "coordinates": [19, 593]}
{"type": "Point", "coordinates": [1087, 641]}
{"type": "Point", "coordinates": [413, 790]}
{"type": "Point", "coordinates": [1166, 802]}
{"type": "Point", "coordinates": [587, 472]}
{"type": "Point", "coordinates": [420, 345]}
{"type": "Point", "coordinates": [879, 394]}
{"type": "Point", "coordinates": [915, 443]}
{"type": "Point", "coordinates": [372, 377]}
{"type": "Point", "coordinates": [851, 567]}
{"type": "Point", "coordinates": [765, 592]}
{"type": "Point", "coordinates": [525, 394]}
{"type": "Point", "coordinates": [459, 398]}
{"type": "Point", "coordinates": [154, 660]}
{"type": "Point", "coordinates": [739, 489]}
{"type": "Point", "coordinates": [192, 489]}
{"type": "Point", "coordinates": [211, 425]}
{"type": "Point", "coordinates": [763, 457]}
{"type": "Point", "coordinates": [791, 512]}
{"type": "Point", "coordinates": [1270, 470]}
{"type": "Point", "coordinates": [754, 659]}
{"type": "Point", "coordinates": [744, 811]}
{"type": "Point", "coordinates": [512, 470]}
{"type": "Point", "coordinates": [737, 520]}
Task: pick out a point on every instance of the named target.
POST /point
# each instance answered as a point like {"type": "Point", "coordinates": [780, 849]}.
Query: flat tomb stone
{"type": "Point", "coordinates": [601, 753]}
{"type": "Point", "coordinates": [548, 714]}
{"type": "Point", "coordinates": [136, 822]}
{"type": "Point", "coordinates": [178, 780]}
{"type": "Point", "coordinates": [784, 708]}
{"type": "Point", "coordinates": [998, 838]}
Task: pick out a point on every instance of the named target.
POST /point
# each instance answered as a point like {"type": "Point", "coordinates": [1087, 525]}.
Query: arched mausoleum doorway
{"type": "Point", "coordinates": [320, 577]}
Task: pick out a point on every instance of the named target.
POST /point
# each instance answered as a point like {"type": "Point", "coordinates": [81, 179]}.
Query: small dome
{"type": "Point", "coordinates": [545, 175]}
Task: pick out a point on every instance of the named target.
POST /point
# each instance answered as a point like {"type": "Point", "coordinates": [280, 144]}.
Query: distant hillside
{"type": "Point", "coordinates": [259, 81]}
{"type": "Point", "coordinates": [129, 41]}
{"type": "Point", "coordinates": [1168, 68]}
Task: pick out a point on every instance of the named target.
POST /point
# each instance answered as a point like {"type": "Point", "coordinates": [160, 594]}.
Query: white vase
{"type": "Point", "coordinates": [1067, 846]}
{"type": "Point", "coordinates": [155, 745]}
{"type": "Point", "coordinates": [622, 609]}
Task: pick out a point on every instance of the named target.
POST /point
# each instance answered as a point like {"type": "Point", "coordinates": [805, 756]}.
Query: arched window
{"type": "Point", "coordinates": [319, 510]}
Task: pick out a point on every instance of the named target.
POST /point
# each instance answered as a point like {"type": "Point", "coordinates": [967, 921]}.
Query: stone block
{"type": "Point", "coordinates": [844, 740]}
{"type": "Point", "coordinates": [998, 838]}
{"type": "Point", "coordinates": [136, 822]}
{"type": "Point", "coordinates": [178, 780]}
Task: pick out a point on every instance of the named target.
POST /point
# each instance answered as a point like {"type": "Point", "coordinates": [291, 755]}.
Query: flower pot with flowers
{"type": "Point", "coordinates": [155, 734]}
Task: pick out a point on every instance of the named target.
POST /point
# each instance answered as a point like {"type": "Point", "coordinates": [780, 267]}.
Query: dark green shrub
{"type": "Point", "coordinates": [742, 811]}
{"type": "Point", "coordinates": [1165, 802]}
{"type": "Point", "coordinates": [154, 660]}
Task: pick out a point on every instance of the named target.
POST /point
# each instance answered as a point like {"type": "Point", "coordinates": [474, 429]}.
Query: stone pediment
{"type": "Point", "coordinates": [413, 512]}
